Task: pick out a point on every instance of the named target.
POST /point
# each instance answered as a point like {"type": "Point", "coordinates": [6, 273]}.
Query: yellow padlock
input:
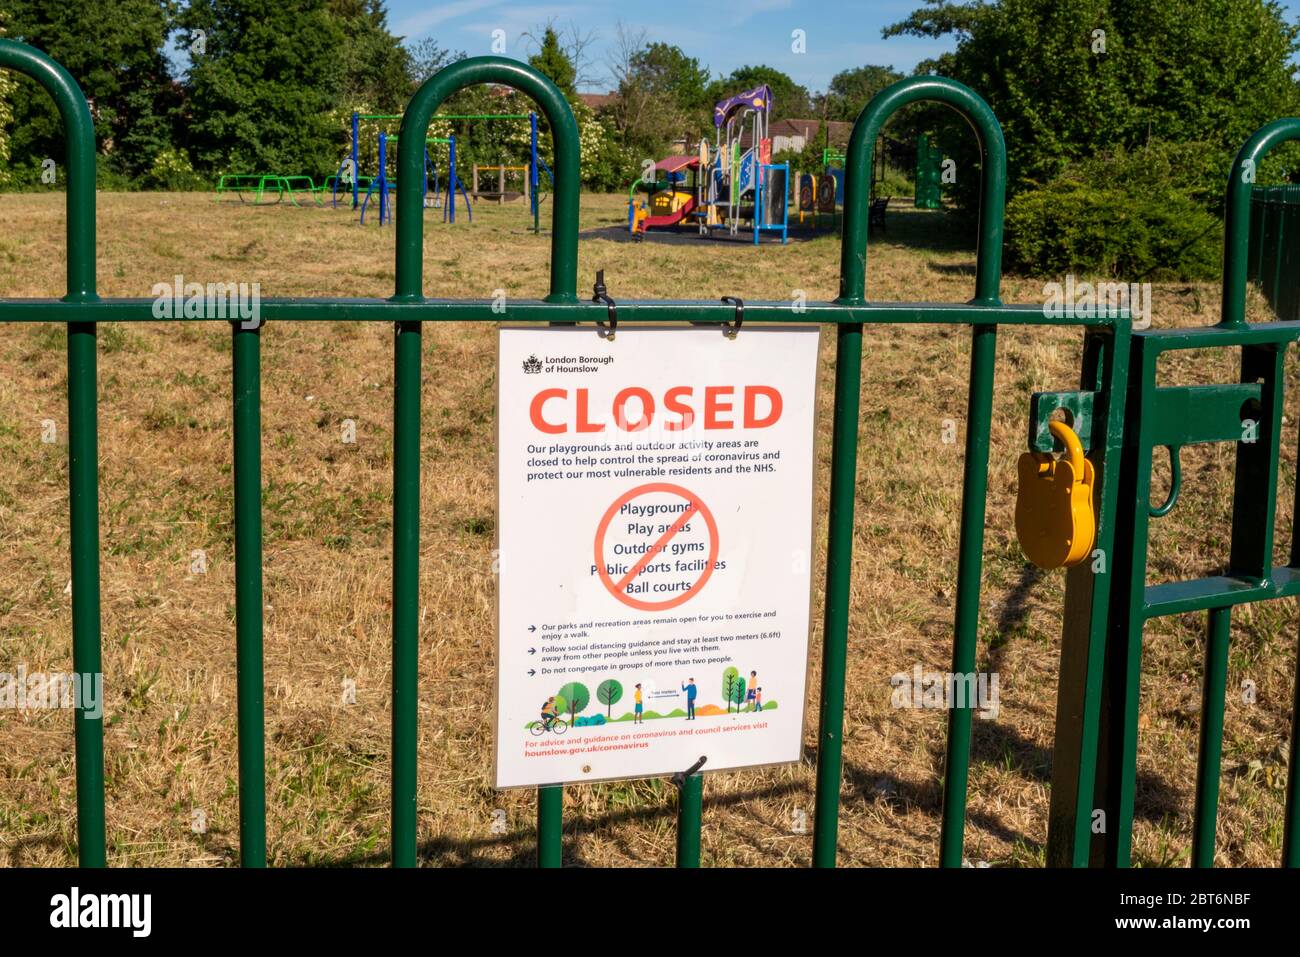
{"type": "Point", "coordinates": [1055, 520]}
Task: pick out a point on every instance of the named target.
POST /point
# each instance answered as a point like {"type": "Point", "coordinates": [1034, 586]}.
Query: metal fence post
{"type": "Point", "coordinates": [247, 418]}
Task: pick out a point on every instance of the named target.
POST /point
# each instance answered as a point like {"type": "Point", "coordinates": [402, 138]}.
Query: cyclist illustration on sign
{"type": "Point", "coordinates": [551, 720]}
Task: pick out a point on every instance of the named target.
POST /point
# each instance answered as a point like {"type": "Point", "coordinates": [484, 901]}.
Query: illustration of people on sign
{"type": "Point", "coordinates": [638, 715]}
{"type": "Point", "coordinates": [549, 712]}
{"type": "Point", "coordinates": [751, 694]}
{"type": "Point", "coordinates": [758, 699]}
{"type": "Point", "coordinates": [691, 691]}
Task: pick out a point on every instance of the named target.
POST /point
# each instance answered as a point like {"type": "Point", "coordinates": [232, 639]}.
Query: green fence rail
{"type": "Point", "coordinates": [1102, 631]}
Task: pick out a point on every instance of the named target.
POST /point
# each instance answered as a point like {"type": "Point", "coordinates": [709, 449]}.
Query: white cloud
{"type": "Point", "coordinates": [420, 23]}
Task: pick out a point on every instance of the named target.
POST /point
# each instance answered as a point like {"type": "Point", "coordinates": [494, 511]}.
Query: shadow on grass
{"type": "Point", "coordinates": [927, 230]}
{"type": "Point", "coordinates": [992, 744]}
{"type": "Point", "coordinates": [522, 843]}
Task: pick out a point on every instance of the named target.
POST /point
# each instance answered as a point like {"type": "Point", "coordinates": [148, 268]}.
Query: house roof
{"type": "Point", "coordinates": [810, 130]}
{"type": "Point", "coordinates": [597, 100]}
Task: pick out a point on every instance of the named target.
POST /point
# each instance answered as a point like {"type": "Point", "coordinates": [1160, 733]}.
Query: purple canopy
{"type": "Point", "coordinates": [760, 98]}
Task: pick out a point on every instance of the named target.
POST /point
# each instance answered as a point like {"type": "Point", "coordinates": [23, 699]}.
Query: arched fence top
{"type": "Point", "coordinates": [410, 168]}
{"type": "Point", "coordinates": [858, 168]}
{"type": "Point", "coordinates": [79, 131]}
{"type": "Point", "coordinates": [1236, 226]}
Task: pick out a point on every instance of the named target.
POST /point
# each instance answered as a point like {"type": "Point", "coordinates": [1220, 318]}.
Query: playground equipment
{"type": "Point", "coordinates": [1119, 416]}
{"type": "Point", "coordinates": [722, 187]}
{"type": "Point", "coordinates": [500, 194]}
{"type": "Point", "coordinates": [531, 179]}
{"type": "Point", "coordinates": [929, 194]}
{"type": "Point", "coordinates": [351, 164]}
{"type": "Point", "coordinates": [818, 194]}
{"type": "Point", "coordinates": [385, 187]}
{"type": "Point", "coordinates": [822, 194]}
{"type": "Point", "coordinates": [260, 185]}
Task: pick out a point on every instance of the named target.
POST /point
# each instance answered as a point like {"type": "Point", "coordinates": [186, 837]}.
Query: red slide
{"type": "Point", "coordinates": [671, 219]}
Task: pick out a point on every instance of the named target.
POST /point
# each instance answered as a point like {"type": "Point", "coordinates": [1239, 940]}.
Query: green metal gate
{"type": "Point", "coordinates": [1097, 410]}
{"type": "Point", "coordinates": [1247, 414]}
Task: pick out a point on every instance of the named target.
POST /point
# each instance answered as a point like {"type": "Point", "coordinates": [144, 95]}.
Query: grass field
{"type": "Point", "coordinates": [165, 463]}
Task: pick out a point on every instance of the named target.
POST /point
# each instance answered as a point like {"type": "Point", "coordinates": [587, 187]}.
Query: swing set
{"type": "Point", "coordinates": [384, 186]}
{"type": "Point", "coordinates": [348, 173]}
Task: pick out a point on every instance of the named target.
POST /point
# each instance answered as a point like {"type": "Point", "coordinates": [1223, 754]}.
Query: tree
{"type": "Point", "coordinates": [552, 62]}
{"type": "Point", "coordinates": [662, 93]}
{"type": "Point", "coordinates": [114, 49]}
{"type": "Point", "coordinates": [7, 84]}
{"type": "Point", "coordinates": [424, 58]}
{"type": "Point", "coordinates": [665, 70]}
{"type": "Point", "coordinates": [1065, 76]}
{"type": "Point", "coordinates": [851, 90]}
{"type": "Point", "coordinates": [569, 45]}
{"type": "Point", "coordinates": [260, 94]}
{"type": "Point", "coordinates": [608, 692]}
{"type": "Point", "coordinates": [576, 697]}
{"type": "Point", "coordinates": [375, 67]}
{"type": "Point", "coordinates": [733, 689]}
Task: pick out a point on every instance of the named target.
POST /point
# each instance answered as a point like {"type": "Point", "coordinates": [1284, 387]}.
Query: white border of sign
{"type": "Point", "coordinates": [711, 337]}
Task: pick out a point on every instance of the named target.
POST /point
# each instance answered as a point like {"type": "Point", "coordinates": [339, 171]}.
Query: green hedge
{"type": "Point", "coordinates": [1137, 215]}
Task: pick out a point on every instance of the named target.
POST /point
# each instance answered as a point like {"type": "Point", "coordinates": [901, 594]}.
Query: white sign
{"type": "Point", "coordinates": [655, 534]}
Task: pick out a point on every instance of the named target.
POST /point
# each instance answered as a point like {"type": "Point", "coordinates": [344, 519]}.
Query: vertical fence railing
{"type": "Point", "coordinates": [83, 429]}
{"type": "Point", "coordinates": [853, 263]}
{"type": "Point", "coordinates": [1274, 247]}
{"type": "Point", "coordinates": [246, 391]}
{"type": "Point", "coordinates": [406, 452]}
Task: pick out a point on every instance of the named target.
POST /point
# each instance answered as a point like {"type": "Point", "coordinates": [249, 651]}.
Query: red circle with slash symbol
{"type": "Point", "coordinates": [695, 506]}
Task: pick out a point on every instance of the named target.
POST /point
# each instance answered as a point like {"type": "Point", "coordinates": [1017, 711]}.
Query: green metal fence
{"type": "Point", "coordinates": [1274, 257]}
{"type": "Point", "coordinates": [1102, 623]}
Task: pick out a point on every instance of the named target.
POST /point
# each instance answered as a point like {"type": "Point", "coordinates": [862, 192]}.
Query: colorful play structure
{"type": "Point", "coordinates": [729, 186]}
{"type": "Point", "coordinates": [382, 183]}
{"type": "Point", "coordinates": [821, 194]}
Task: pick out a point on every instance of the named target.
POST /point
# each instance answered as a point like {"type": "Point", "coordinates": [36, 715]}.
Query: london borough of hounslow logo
{"type": "Point", "coordinates": [532, 365]}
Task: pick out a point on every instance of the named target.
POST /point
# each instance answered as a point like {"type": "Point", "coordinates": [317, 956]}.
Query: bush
{"type": "Point", "coordinates": [1130, 215]}
{"type": "Point", "coordinates": [173, 172]}
{"type": "Point", "coordinates": [1197, 170]}
{"type": "Point", "coordinates": [607, 166]}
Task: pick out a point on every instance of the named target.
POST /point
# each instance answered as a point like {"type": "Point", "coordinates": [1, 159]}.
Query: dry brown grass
{"type": "Point", "coordinates": [169, 635]}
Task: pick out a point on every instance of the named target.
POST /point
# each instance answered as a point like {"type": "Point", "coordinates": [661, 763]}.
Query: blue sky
{"type": "Point", "coordinates": [721, 34]}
